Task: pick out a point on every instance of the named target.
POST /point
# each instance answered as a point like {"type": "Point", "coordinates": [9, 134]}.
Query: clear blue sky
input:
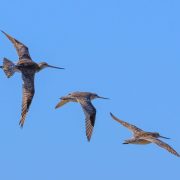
{"type": "Point", "coordinates": [128, 51]}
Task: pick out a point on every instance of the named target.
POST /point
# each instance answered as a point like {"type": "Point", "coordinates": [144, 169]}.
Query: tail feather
{"type": "Point", "coordinates": [8, 67]}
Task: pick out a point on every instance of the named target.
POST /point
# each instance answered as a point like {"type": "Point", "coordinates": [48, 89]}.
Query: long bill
{"type": "Point", "coordinates": [102, 97]}
{"type": "Point", "coordinates": [164, 137]}
{"type": "Point", "coordinates": [55, 67]}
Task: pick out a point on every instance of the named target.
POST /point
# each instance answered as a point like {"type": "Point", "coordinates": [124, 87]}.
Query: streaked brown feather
{"type": "Point", "coordinates": [162, 144]}
{"type": "Point", "coordinates": [28, 93]}
{"type": "Point", "coordinates": [21, 49]}
{"type": "Point", "coordinates": [8, 67]}
{"type": "Point", "coordinates": [61, 103]}
{"type": "Point", "coordinates": [131, 127]}
{"type": "Point", "coordinates": [90, 113]}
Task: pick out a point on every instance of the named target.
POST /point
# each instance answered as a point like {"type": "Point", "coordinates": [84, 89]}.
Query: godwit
{"type": "Point", "coordinates": [143, 137]}
{"type": "Point", "coordinates": [84, 98]}
{"type": "Point", "coordinates": [28, 68]}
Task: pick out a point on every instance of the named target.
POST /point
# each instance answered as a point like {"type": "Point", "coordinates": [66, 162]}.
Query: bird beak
{"type": "Point", "coordinates": [54, 67]}
{"type": "Point", "coordinates": [124, 143]}
{"type": "Point", "coordinates": [102, 97]}
{"type": "Point", "coordinates": [164, 137]}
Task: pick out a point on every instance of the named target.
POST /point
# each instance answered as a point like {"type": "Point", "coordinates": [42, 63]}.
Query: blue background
{"type": "Point", "coordinates": [128, 51]}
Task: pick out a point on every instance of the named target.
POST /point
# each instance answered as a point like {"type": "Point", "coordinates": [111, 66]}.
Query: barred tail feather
{"type": "Point", "coordinates": [8, 67]}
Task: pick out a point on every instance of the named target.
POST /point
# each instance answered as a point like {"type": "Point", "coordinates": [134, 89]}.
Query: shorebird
{"type": "Point", "coordinates": [28, 69]}
{"type": "Point", "coordinates": [84, 98]}
{"type": "Point", "coordinates": [143, 137]}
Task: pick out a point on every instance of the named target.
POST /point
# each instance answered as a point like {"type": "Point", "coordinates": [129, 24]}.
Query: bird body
{"type": "Point", "coordinates": [143, 137]}
{"type": "Point", "coordinates": [28, 68]}
{"type": "Point", "coordinates": [84, 98]}
{"type": "Point", "coordinates": [136, 141]}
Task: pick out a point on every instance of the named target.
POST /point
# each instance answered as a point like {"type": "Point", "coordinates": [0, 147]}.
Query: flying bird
{"type": "Point", "coordinates": [143, 137]}
{"type": "Point", "coordinates": [84, 98]}
{"type": "Point", "coordinates": [28, 68]}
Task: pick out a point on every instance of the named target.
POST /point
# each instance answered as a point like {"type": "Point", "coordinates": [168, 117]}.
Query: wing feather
{"type": "Point", "coordinates": [163, 145]}
{"type": "Point", "coordinates": [21, 49]}
{"type": "Point", "coordinates": [61, 103]}
{"type": "Point", "coordinates": [131, 127]}
{"type": "Point", "coordinates": [28, 93]}
{"type": "Point", "coordinates": [90, 113]}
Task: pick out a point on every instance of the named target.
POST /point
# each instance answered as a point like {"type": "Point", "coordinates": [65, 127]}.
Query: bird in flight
{"type": "Point", "coordinates": [84, 98]}
{"type": "Point", "coordinates": [28, 68]}
{"type": "Point", "coordinates": [143, 137]}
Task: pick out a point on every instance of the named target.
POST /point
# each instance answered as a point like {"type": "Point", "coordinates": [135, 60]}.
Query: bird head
{"type": "Point", "coordinates": [43, 65]}
{"type": "Point", "coordinates": [157, 135]}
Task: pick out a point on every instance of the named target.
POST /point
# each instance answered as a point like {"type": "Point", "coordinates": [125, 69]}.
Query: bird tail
{"type": "Point", "coordinates": [8, 67]}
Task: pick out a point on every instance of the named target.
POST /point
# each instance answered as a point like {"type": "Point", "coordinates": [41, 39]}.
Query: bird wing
{"type": "Point", "coordinates": [61, 103]}
{"type": "Point", "coordinates": [90, 113]}
{"type": "Point", "coordinates": [28, 93]}
{"type": "Point", "coordinates": [21, 49]}
{"type": "Point", "coordinates": [162, 144]}
{"type": "Point", "coordinates": [131, 127]}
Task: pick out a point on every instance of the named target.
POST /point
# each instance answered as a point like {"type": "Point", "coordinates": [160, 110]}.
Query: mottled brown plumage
{"type": "Point", "coordinates": [143, 137]}
{"type": "Point", "coordinates": [84, 98]}
{"type": "Point", "coordinates": [28, 68]}
{"type": "Point", "coordinates": [21, 49]}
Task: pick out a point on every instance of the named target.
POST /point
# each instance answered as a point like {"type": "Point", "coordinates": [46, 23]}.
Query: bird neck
{"type": "Point", "coordinates": [40, 67]}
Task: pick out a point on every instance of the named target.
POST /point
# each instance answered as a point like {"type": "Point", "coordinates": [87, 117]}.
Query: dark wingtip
{"type": "Point", "coordinates": [57, 105]}
{"type": "Point", "coordinates": [88, 138]}
{"type": "Point", "coordinates": [3, 32]}
{"type": "Point", "coordinates": [21, 124]}
{"type": "Point", "coordinates": [112, 115]}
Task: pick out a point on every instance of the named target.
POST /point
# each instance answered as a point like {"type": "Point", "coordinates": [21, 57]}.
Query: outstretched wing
{"type": "Point", "coordinates": [163, 145]}
{"type": "Point", "coordinates": [61, 103]}
{"type": "Point", "coordinates": [21, 49]}
{"type": "Point", "coordinates": [90, 113]}
{"type": "Point", "coordinates": [131, 127]}
{"type": "Point", "coordinates": [28, 93]}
